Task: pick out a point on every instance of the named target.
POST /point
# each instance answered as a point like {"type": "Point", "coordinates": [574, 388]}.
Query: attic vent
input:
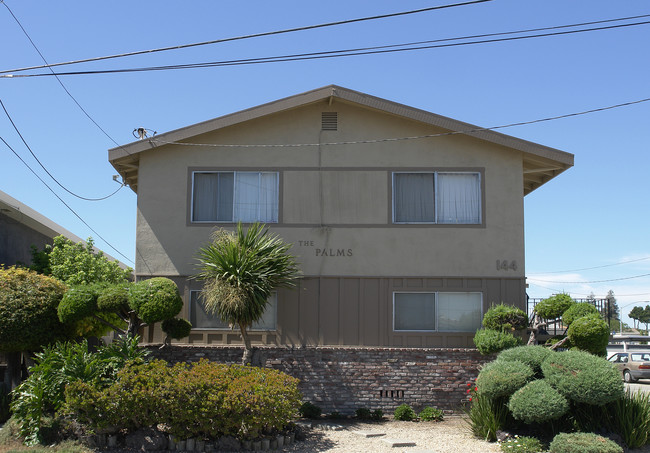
{"type": "Point", "coordinates": [329, 121]}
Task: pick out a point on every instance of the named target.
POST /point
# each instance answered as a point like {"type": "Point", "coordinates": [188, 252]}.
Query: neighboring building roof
{"type": "Point", "coordinates": [26, 216]}
{"type": "Point", "coordinates": [541, 163]}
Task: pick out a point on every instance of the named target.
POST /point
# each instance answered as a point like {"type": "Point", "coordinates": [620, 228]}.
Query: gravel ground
{"type": "Point", "coordinates": [451, 435]}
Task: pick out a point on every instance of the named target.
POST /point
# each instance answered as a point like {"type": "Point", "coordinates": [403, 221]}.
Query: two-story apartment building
{"type": "Point", "coordinates": [407, 225]}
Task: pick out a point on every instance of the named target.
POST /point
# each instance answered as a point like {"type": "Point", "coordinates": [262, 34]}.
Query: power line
{"type": "Point", "coordinates": [157, 139]}
{"type": "Point", "coordinates": [255, 35]}
{"type": "Point", "coordinates": [583, 294]}
{"type": "Point", "coordinates": [339, 53]}
{"type": "Point", "coordinates": [57, 78]}
{"type": "Point", "coordinates": [45, 169]}
{"type": "Point", "coordinates": [64, 203]}
{"type": "Point", "coordinates": [592, 281]}
{"type": "Point", "coordinates": [594, 267]}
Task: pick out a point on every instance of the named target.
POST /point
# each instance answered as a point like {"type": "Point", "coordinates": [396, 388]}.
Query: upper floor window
{"type": "Point", "coordinates": [235, 196]}
{"type": "Point", "coordinates": [437, 197]}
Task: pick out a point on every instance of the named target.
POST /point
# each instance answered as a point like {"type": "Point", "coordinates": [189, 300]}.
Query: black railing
{"type": "Point", "coordinates": [555, 327]}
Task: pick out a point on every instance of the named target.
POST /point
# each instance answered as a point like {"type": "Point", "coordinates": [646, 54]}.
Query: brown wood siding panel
{"type": "Point", "coordinates": [288, 321]}
{"type": "Point", "coordinates": [349, 320]}
{"type": "Point", "coordinates": [309, 311]}
{"type": "Point", "coordinates": [329, 311]}
{"type": "Point", "coordinates": [370, 312]}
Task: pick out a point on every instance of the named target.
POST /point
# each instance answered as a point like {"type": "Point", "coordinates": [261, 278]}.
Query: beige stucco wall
{"type": "Point", "coordinates": [354, 183]}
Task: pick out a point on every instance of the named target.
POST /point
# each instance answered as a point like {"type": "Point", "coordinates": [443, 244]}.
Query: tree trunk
{"type": "Point", "coordinates": [248, 349]}
{"type": "Point", "coordinates": [134, 325]}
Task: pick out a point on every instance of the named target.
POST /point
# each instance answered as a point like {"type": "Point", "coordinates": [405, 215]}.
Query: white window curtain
{"type": "Point", "coordinates": [413, 197]}
{"type": "Point", "coordinates": [459, 312]}
{"type": "Point", "coordinates": [235, 196]}
{"type": "Point", "coordinates": [459, 198]}
{"type": "Point", "coordinates": [200, 319]}
{"type": "Point", "coordinates": [414, 311]}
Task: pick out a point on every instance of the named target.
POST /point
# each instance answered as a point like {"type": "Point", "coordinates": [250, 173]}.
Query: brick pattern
{"type": "Point", "coordinates": [345, 379]}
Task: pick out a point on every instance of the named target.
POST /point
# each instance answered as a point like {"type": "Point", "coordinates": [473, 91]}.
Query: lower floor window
{"type": "Point", "coordinates": [201, 319]}
{"type": "Point", "coordinates": [437, 311]}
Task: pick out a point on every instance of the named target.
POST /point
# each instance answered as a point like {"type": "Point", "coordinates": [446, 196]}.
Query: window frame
{"type": "Point", "coordinates": [194, 172]}
{"type": "Point", "coordinates": [274, 294]}
{"type": "Point", "coordinates": [436, 310]}
{"type": "Point", "coordinates": [435, 174]}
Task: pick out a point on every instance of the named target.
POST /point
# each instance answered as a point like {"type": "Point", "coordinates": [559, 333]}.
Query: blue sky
{"type": "Point", "coordinates": [594, 215]}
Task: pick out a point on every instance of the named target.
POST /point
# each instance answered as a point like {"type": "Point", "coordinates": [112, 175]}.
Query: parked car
{"type": "Point", "coordinates": [633, 365]}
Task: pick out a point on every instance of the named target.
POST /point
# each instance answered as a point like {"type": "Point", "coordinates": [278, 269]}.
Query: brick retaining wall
{"type": "Point", "coordinates": [345, 379]}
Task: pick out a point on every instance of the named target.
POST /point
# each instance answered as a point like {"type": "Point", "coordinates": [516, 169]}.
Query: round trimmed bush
{"type": "Point", "coordinates": [490, 341]}
{"type": "Point", "coordinates": [583, 443]}
{"type": "Point", "coordinates": [583, 377]}
{"type": "Point", "coordinates": [177, 328]}
{"type": "Point", "coordinates": [537, 402]}
{"type": "Point", "coordinates": [578, 310]}
{"type": "Point", "coordinates": [310, 410]}
{"type": "Point", "coordinates": [505, 318]}
{"type": "Point", "coordinates": [78, 303]}
{"type": "Point", "coordinates": [114, 298]}
{"type": "Point", "coordinates": [554, 306]}
{"type": "Point", "coordinates": [590, 333]}
{"type": "Point", "coordinates": [503, 378]}
{"type": "Point", "coordinates": [431, 414]}
{"type": "Point", "coordinates": [404, 412]}
{"type": "Point", "coordinates": [155, 299]}
{"type": "Point", "coordinates": [532, 355]}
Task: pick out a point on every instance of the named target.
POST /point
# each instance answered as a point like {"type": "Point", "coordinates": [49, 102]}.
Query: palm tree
{"type": "Point", "coordinates": [240, 269]}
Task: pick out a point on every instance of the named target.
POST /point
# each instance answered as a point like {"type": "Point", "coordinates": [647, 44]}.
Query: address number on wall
{"type": "Point", "coordinates": [505, 265]}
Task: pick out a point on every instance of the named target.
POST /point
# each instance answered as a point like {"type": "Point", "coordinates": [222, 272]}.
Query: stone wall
{"type": "Point", "coordinates": [345, 379]}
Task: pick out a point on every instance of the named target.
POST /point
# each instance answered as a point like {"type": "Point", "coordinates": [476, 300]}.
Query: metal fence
{"type": "Point", "coordinates": [555, 326]}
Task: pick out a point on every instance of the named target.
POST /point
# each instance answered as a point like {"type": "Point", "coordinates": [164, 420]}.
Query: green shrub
{"type": "Point", "coordinates": [151, 299]}
{"type": "Point", "coordinates": [490, 341]}
{"type": "Point", "coordinates": [176, 328]}
{"type": "Point", "coordinates": [532, 355]}
{"type": "Point", "coordinates": [114, 298]}
{"type": "Point", "coordinates": [363, 413]}
{"type": "Point", "coordinates": [522, 444]}
{"type": "Point", "coordinates": [377, 415]}
{"type": "Point", "coordinates": [583, 443]}
{"type": "Point", "coordinates": [554, 306]}
{"type": "Point", "coordinates": [431, 414]}
{"type": "Point", "coordinates": [583, 377]}
{"type": "Point", "coordinates": [404, 413]}
{"type": "Point", "coordinates": [78, 302]}
{"type": "Point", "coordinates": [200, 400]}
{"type": "Point", "coordinates": [537, 402]}
{"type": "Point", "coordinates": [630, 417]}
{"type": "Point", "coordinates": [576, 311]}
{"type": "Point", "coordinates": [590, 333]}
{"type": "Point", "coordinates": [28, 304]}
{"type": "Point", "coordinates": [486, 416]}
{"type": "Point", "coordinates": [310, 410]}
{"type": "Point", "coordinates": [502, 378]}
{"type": "Point", "coordinates": [505, 318]}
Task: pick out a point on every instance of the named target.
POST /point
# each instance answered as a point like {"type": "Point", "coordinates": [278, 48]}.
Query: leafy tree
{"type": "Point", "coordinates": [77, 264]}
{"type": "Point", "coordinates": [645, 316]}
{"type": "Point", "coordinates": [240, 269]}
{"type": "Point", "coordinates": [613, 305]}
{"type": "Point", "coordinates": [28, 316]}
{"type": "Point", "coordinates": [133, 305]}
{"type": "Point", "coordinates": [635, 314]}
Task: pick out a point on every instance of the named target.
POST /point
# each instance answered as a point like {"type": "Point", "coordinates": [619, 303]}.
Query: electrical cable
{"type": "Point", "coordinates": [594, 267]}
{"type": "Point", "coordinates": [157, 139]}
{"type": "Point", "coordinates": [333, 53]}
{"type": "Point", "coordinates": [64, 203]}
{"type": "Point", "coordinates": [255, 35]}
{"type": "Point", "coordinates": [46, 170]}
{"type": "Point", "coordinates": [591, 281]}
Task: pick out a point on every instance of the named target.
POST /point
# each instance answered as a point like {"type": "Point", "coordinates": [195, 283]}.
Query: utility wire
{"type": "Point", "coordinates": [57, 77]}
{"type": "Point", "coordinates": [64, 203]}
{"type": "Point", "coordinates": [157, 139]}
{"type": "Point", "coordinates": [46, 170]}
{"type": "Point", "coordinates": [594, 267]}
{"type": "Point", "coordinates": [255, 35]}
{"type": "Point", "coordinates": [592, 281]}
{"type": "Point", "coordinates": [393, 48]}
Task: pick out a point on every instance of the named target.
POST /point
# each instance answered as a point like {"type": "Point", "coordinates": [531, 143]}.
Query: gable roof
{"type": "Point", "coordinates": [541, 163]}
